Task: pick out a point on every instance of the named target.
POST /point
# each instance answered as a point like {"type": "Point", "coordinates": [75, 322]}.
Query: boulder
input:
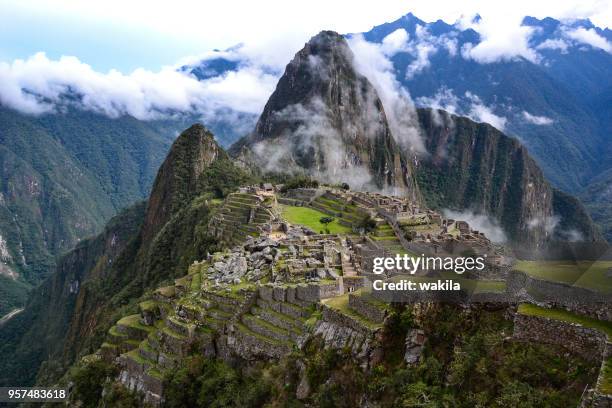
{"type": "Point", "coordinates": [415, 342]}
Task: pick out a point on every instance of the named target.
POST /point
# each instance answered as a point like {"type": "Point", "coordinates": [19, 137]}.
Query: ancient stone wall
{"type": "Point", "coordinates": [366, 308]}
{"type": "Point", "coordinates": [575, 299]}
{"type": "Point", "coordinates": [333, 316]}
{"type": "Point", "coordinates": [588, 343]}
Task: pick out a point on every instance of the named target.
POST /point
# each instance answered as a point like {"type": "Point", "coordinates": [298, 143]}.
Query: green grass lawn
{"type": "Point", "coordinates": [585, 274]}
{"type": "Point", "coordinates": [565, 316]}
{"type": "Point", "coordinates": [310, 217]}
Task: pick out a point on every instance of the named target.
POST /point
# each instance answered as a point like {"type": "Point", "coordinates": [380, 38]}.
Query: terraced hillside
{"type": "Point", "coordinates": [241, 215]}
{"type": "Point", "coordinates": [585, 335]}
{"type": "Point", "coordinates": [386, 238]}
{"type": "Point", "coordinates": [349, 215]}
{"type": "Point", "coordinates": [245, 320]}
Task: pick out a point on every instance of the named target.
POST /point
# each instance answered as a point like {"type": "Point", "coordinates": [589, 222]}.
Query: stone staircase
{"type": "Point", "coordinates": [385, 236]}
{"type": "Point", "coordinates": [274, 325]}
{"type": "Point", "coordinates": [242, 215]}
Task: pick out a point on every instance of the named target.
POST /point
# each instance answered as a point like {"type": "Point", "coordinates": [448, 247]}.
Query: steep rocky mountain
{"type": "Point", "coordinates": [557, 102]}
{"type": "Point", "coordinates": [327, 120]}
{"type": "Point", "coordinates": [104, 276]}
{"type": "Point", "coordinates": [475, 166]}
{"type": "Point", "coordinates": [562, 81]}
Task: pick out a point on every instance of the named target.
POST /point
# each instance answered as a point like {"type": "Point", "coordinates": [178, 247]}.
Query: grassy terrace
{"type": "Point", "coordinates": [343, 207]}
{"type": "Point", "coordinates": [565, 316]}
{"type": "Point", "coordinates": [134, 322]}
{"type": "Point", "coordinates": [196, 281]}
{"type": "Point", "coordinates": [341, 304]}
{"type": "Point", "coordinates": [606, 385]}
{"type": "Point", "coordinates": [585, 274]}
{"type": "Point", "coordinates": [367, 296]}
{"type": "Point", "coordinates": [269, 340]}
{"type": "Point", "coordinates": [148, 305]}
{"type": "Point", "coordinates": [310, 217]}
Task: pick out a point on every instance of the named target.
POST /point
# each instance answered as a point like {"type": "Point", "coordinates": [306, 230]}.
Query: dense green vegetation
{"type": "Point", "coordinates": [113, 277]}
{"type": "Point", "coordinates": [13, 294]}
{"type": "Point", "coordinates": [467, 362]}
{"type": "Point", "coordinates": [62, 177]}
{"type": "Point", "coordinates": [296, 182]}
{"type": "Point", "coordinates": [311, 218]}
{"type": "Point", "coordinates": [39, 332]}
{"type": "Point", "coordinates": [203, 382]}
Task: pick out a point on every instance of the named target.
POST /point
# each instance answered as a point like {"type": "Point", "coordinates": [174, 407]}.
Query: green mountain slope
{"type": "Point", "coordinates": [475, 166]}
{"type": "Point", "coordinates": [101, 280]}
{"type": "Point", "coordinates": [62, 176]}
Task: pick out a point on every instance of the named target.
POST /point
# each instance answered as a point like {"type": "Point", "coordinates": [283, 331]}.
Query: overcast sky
{"type": "Point", "coordinates": [129, 34]}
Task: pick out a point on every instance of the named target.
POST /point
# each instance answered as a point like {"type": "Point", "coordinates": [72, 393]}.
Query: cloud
{"type": "Point", "coordinates": [423, 52]}
{"type": "Point", "coordinates": [482, 113]}
{"type": "Point", "coordinates": [536, 120]}
{"type": "Point", "coordinates": [316, 141]}
{"type": "Point", "coordinates": [444, 99]}
{"type": "Point", "coordinates": [501, 40]}
{"type": "Point", "coordinates": [590, 37]}
{"type": "Point", "coordinates": [479, 222]}
{"type": "Point", "coordinates": [423, 47]}
{"type": "Point", "coordinates": [551, 226]}
{"type": "Point", "coordinates": [549, 223]}
{"type": "Point", "coordinates": [372, 62]}
{"type": "Point", "coordinates": [471, 106]}
{"type": "Point", "coordinates": [395, 42]}
{"type": "Point", "coordinates": [556, 44]}
{"type": "Point", "coordinates": [38, 85]}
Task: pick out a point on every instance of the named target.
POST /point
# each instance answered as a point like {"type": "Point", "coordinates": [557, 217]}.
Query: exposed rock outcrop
{"type": "Point", "coordinates": [327, 120]}
{"type": "Point", "coordinates": [475, 166]}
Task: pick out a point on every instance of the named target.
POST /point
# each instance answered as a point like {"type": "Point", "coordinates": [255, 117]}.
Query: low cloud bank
{"type": "Point", "coordinates": [480, 222]}
{"type": "Point", "coordinates": [41, 85]}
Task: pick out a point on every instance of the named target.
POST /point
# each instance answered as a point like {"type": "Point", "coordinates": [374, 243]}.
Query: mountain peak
{"type": "Point", "coordinates": [326, 119]}
{"type": "Point", "coordinates": [178, 178]}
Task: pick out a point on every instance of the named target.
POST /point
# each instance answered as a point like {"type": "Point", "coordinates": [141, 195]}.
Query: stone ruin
{"type": "Point", "coordinates": [278, 285]}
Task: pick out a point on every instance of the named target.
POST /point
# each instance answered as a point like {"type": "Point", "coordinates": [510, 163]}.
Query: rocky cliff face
{"type": "Point", "coordinates": [327, 120]}
{"type": "Point", "coordinates": [474, 166]}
